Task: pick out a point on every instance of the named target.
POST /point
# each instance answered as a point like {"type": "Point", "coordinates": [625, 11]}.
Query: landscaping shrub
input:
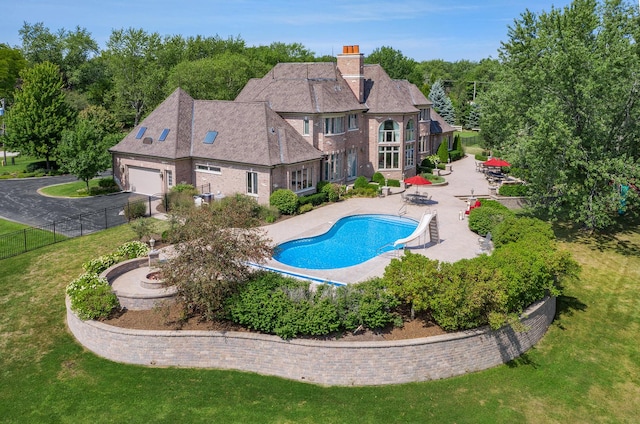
{"type": "Point", "coordinates": [321, 185]}
{"type": "Point", "coordinates": [135, 210]}
{"type": "Point", "coordinates": [285, 200]}
{"type": "Point", "coordinates": [269, 214]}
{"type": "Point", "coordinates": [239, 210]}
{"type": "Point", "coordinates": [535, 231]}
{"type": "Point", "coordinates": [91, 297]}
{"type": "Point", "coordinates": [371, 191]}
{"type": "Point", "coordinates": [305, 208]}
{"type": "Point", "coordinates": [185, 188]}
{"type": "Point", "coordinates": [361, 182]}
{"type": "Point", "coordinates": [456, 155]}
{"type": "Point", "coordinates": [129, 250]}
{"type": "Point", "coordinates": [381, 180]}
{"type": "Point", "coordinates": [443, 152]}
{"type": "Point", "coordinates": [143, 227]}
{"type": "Point", "coordinates": [481, 157]}
{"type": "Point", "coordinates": [288, 308]}
{"type": "Point", "coordinates": [97, 265]}
{"type": "Point", "coordinates": [132, 250]}
{"type": "Point", "coordinates": [513, 190]}
{"type": "Point", "coordinates": [483, 220]}
{"type": "Point", "coordinates": [368, 304]}
{"type": "Point", "coordinates": [332, 191]}
{"type": "Point", "coordinates": [315, 199]}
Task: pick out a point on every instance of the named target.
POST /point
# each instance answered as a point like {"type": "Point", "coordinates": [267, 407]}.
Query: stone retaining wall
{"type": "Point", "coordinates": [328, 363]}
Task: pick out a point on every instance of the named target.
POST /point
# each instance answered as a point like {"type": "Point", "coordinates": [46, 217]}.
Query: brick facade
{"type": "Point", "coordinates": [328, 363]}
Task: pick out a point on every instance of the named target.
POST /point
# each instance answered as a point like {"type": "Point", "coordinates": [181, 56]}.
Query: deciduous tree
{"type": "Point", "coordinates": [40, 113]}
{"type": "Point", "coordinates": [83, 150]}
{"type": "Point", "coordinates": [566, 109]}
{"type": "Point", "coordinates": [211, 257]}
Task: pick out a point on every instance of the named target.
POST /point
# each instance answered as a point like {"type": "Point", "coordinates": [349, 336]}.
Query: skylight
{"type": "Point", "coordinates": [210, 137]}
{"type": "Point", "coordinates": [164, 134]}
{"type": "Point", "coordinates": [141, 132]}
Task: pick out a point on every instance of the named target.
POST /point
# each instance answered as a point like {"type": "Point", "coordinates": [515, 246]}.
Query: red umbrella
{"type": "Point", "coordinates": [497, 162]}
{"type": "Point", "coordinates": [417, 180]}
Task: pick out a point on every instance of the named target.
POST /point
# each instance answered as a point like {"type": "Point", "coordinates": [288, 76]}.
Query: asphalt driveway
{"type": "Point", "coordinates": [21, 202]}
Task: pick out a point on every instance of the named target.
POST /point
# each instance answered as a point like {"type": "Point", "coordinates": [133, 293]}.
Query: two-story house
{"type": "Point", "coordinates": [299, 124]}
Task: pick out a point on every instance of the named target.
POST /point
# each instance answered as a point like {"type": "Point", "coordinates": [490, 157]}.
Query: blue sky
{"type": "Point", "coordinates": [421, 29]}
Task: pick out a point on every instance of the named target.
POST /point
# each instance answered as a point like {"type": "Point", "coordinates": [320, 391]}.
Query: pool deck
{"type": "Point", "coordinates": [456, 240]}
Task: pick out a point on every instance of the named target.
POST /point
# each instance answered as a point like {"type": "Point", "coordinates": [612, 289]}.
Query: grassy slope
{"type": "Point", "coordinates": [587, 368]}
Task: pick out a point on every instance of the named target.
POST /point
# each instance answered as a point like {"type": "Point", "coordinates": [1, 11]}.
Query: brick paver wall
{"type": "Point", "coordinates": [328, 363]}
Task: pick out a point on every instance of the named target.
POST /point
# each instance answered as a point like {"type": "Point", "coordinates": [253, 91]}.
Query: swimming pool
{"type": "Point", "coordinates": [350, 241]}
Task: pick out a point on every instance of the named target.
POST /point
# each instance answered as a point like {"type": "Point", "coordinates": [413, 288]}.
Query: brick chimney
{"type": "Point", "coordinates": [351, 67]}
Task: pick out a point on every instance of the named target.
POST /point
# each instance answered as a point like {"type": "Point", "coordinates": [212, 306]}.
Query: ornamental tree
{"type": "Point", "coordinates": [212, 257]}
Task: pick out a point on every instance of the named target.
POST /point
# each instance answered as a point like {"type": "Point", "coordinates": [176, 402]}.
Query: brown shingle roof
{"type": "Point", "coordinates": [439, 125]}
{"type": "Point", "coordinates": [384, 95]}
{"type": "Point", "coordinates": [172, 114]}
{"type": "Point", "coordinates": [248, 133]}
{"type": "Point", "coordinates": [302, 88]}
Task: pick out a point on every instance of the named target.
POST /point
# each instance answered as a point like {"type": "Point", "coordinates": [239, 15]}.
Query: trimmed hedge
{"type": "Point", "coordinates": [483, 220]}
{"type": "Point", "coordinates": [280, 305]}
{"type": "Point", "coordinates": [513, 190]}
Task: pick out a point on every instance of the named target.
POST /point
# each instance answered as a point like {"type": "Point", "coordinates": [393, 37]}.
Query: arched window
{"type": "Point", "coordinates": [410, 131]}
{"type": "Point", "coordinates": [389, 132]}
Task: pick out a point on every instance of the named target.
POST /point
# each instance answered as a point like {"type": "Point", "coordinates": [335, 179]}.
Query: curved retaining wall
{"type": "Point", "coordinates": [329, 363]}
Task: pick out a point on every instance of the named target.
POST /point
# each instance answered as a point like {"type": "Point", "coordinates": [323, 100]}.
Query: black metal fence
{"type": "Point", "coordinates": [18, 242]}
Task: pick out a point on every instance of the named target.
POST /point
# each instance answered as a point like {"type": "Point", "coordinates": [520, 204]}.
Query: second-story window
{"type": "Point", "coordinates": [305, 126]}
{"type": "Point", "coordinates": [334, 125]}
{"type": "Point", "coordinates": [353, 121]}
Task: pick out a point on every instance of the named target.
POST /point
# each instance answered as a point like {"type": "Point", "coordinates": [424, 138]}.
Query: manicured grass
{"type": "Point", "coordinates": [10, 226]}
{"type": "Point", "coordinates": [586, 369]}
{"type": "Point", "coordinates": [74, 189]}
{"type": "Point", "coordinates": [18, 167]}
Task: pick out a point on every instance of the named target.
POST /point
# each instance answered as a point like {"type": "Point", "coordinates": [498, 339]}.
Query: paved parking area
{"type": "Point", "coordinates": [21, 202]}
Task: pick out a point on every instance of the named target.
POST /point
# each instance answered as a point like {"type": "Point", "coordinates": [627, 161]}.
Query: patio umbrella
{"type": "Point", "coordinates": [417, 180]}
{"type": "Point", "coordinates": [497, 162]}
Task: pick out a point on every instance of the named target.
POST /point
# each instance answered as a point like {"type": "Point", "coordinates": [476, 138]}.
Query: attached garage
{"type": "Point", "coordinates": [145, 181]}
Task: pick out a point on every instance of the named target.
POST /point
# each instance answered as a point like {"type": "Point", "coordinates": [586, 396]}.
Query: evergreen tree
{"type": "Point", "coordinates": [441, 103]}
{"type": "Point", "coordinates": [473, 120]}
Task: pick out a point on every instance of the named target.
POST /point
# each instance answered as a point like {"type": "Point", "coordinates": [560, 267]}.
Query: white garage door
{"type": "Point", "coordinates": [145, 180]}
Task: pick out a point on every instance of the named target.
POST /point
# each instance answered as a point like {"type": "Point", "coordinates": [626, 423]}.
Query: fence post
{"type": "Point", "coordinates": [54, 231]}
{"type": "Point", "coordinates": [106, 220]}
{"type": "Point", "coordinates": [80, 219]}
{"type": "Point", "coordinates": [25, 239]}
{"type": "Point", "coordinates": [150, 211]}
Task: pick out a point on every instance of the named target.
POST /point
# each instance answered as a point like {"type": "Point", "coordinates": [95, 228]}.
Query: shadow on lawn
{"type": "Point", "coordinates": [566, 306]}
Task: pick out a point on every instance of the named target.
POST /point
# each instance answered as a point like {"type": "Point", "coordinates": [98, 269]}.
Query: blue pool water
{"type": "Point", "coordinates": [350, 241]}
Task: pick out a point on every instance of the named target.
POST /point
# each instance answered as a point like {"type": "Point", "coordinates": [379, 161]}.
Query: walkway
{"type": "Point", "coordinates": [456, 240]}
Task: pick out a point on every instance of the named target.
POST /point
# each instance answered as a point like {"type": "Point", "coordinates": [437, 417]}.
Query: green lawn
{"type": "Point", "coordinates": [10, 226]}
{"type": "Point", "coordinates": [586, 369]}
{"type": "Point", "coordinates": [74, 189]}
